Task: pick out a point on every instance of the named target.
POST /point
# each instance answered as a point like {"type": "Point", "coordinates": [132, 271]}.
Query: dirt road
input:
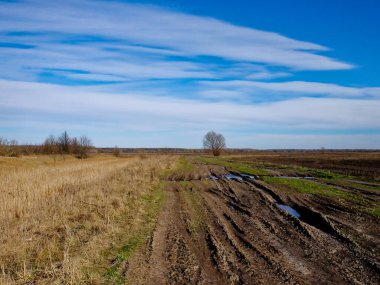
{"type": "Point", "coordinates": [221, 231]}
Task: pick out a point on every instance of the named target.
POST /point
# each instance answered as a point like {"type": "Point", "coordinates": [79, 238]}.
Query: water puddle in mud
{"type": "Point", "coordinates": [233, 177]}
{"type": "Point", "coordinates": [248, 176]}
{"type": "Point", "coordinates": [213, 177]}
{"type": "Point", "coordinates": [290, 210]}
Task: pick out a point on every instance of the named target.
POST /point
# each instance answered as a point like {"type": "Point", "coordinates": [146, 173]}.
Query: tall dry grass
{"type": "Point", "coordinates": [59, 218]}
{"type": "Point", "coordinates": [26, 190]}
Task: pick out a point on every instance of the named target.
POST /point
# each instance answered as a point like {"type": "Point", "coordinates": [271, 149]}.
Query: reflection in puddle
{"type": "Point", "coordinates": [248, 176]}
{"type": "Point", "coordinates": [233, 177]}
{"type": "Point", "coordinates": [290, 210]}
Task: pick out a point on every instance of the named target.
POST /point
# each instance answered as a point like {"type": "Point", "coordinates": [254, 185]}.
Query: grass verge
{"type": "Point", "coordinates": [151, 203]}
{"type": "Point", "coordinates": [311, 187]}
{"type": "Point", "coordinates": [182, 167]}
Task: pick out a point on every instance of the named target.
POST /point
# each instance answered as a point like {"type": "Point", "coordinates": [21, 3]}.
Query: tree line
{"type": "Point", "coordinates": [62, 144]}
{"type": "Point", "coordinates": [8, 147]}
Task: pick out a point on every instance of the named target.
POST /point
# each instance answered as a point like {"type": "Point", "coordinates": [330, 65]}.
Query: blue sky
{"type": "Point", "coordinates": [267, 74]}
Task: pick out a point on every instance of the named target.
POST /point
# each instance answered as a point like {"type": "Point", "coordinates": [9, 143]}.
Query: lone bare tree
{"type": "Point", "coordinates": [214, 142]}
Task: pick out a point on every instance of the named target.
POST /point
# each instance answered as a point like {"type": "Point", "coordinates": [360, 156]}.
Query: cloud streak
{"type": "Point", "coordinates": [296, 88]}
{"type": "Point", "coordinates": [132, 41]}
{"type": "Point", "coordinates": [302, 113]}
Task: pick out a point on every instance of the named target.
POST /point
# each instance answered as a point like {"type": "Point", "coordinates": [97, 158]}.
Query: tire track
{"type": "Point", "coordinates": [245, 238]}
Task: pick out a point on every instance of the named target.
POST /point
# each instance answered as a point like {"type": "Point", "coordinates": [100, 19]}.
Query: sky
{"type": "Point", "coordinates": [265, 74]}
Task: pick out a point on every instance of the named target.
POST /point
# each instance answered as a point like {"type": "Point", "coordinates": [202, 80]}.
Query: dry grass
{"type": "Point", "coordinates": [61, 219]}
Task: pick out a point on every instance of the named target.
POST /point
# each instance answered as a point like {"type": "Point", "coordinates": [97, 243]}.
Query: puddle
{"type": "Point", "coordinates": [290, 210]}
{"type": "Point", "coordinates": [248, 176]}
{"type": "Point", "coordinates": [233, 177]}
{"type": "Point", "coordinates": [213, 177]}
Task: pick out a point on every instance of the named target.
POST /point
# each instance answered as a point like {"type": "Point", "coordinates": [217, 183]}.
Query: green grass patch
{"type": "Point", "coordinates": [373, 211]}
{"type": "Point", "coordinates": [311, 187]}
{"type": "Point", "coordinates": [183, 166]}
{"type": "Point", "coordinates": [367, 187]}
{"type": "Point", "coordinates": [320, 173]}
{"type": "Point", "coordinates": [326, 174]}
{"type": "Point", "coordinates": [236, 166]}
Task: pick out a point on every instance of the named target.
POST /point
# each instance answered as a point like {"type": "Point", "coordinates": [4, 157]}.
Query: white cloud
{"type": "Point", "coordinates": [169, 113]}
{"type": "Point", "coordinates": [267, 75]}
{"type": "Point", "coordinates": [102, 64]}
{"type": "Point", "coordinates": [221, 94]}
{"type": "Point", "coordinates": [163, 31]}
{"type": "Point", "coordinates": [373, 91]}
{"type": "Point", "coordinates": [301, 88]}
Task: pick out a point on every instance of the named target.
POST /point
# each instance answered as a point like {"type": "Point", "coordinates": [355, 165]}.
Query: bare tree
{"type": "Point", "coordinates": [214, 142]}
{"type": "Point", "coordinates": [64, 142]}
{"type": "Point", "coordinates": [50, 145]}
{"type": "Point", "coordinates": [75, 146]}
{"type": "Point", "coordinates": [85, 145]}
{"type": "Point", "coordinates": [85, 142]}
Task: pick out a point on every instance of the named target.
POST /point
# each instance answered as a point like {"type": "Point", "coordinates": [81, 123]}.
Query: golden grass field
{"type": "Point", "coordinates": [61, 218]}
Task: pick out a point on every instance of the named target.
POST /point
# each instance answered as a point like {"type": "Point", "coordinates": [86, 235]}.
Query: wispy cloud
{"type": "Point", "coordinates": [302, 113]}
{"type": "Point", "coordinates": [108, 38]}
{"type": "Point", "coordinates": [296, 88]}
{"type": "Point", "coordinates": [87, 59]}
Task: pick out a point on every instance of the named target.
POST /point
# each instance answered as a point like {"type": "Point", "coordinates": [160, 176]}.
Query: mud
{"type": "Point", "coordinates": [358, 163]}
{"type": "Point", "coordinates": [223, 231]}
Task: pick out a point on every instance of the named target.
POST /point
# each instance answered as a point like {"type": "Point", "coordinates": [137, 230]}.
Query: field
{"type": "Point", "coordinates": [259, 218]}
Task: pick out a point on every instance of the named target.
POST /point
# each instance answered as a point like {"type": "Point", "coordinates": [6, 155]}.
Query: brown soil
{"type": "Point", "coordinates": [230, 232]}
{"type": "Point", "coordinates": [364, 164]}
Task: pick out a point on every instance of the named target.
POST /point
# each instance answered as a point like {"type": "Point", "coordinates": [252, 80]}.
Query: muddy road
{"type": "Point", "coordinates": [218, 229]}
